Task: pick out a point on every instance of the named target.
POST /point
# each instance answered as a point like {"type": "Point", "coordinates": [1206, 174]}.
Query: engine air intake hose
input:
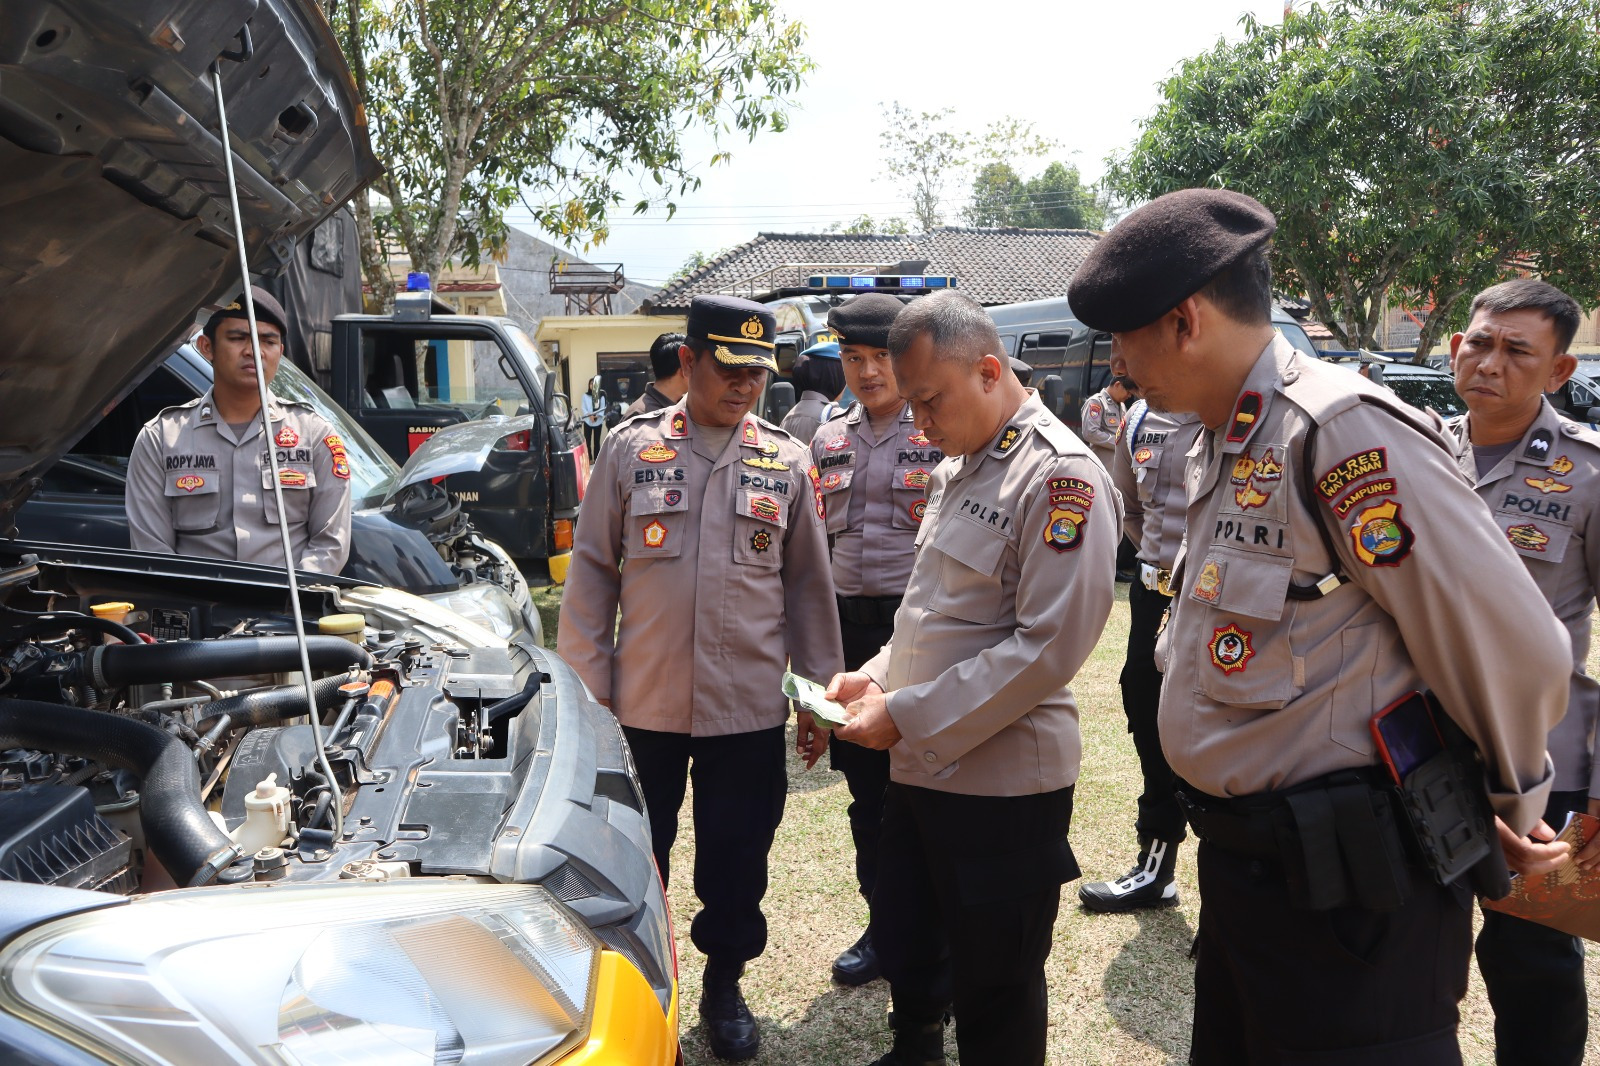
{"type": "Point", "coordinates": [267, 706]}
{"type": "Point", "coordinates": [176, 824]}
{"type": "Point", "coordinates": [116, 665]}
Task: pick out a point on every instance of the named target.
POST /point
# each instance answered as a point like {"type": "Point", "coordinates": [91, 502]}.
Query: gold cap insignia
{"type": "Point", "coordinates": [752, 328]}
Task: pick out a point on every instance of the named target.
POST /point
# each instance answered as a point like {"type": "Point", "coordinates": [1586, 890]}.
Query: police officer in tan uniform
{"type": "Point", "coordinates": [1540, 475]}
{"type": "Point", "coordinates": [1147, 468]}
{"type": "Point", "coordinates": [875, 467]}
{"type": "Point", "coordinates": [200, 482]}
{"type": "Point", "coordinates": [1102, 417]}
{"type": "Point", "coordinates": [1011, 585]}
{"type": "Point", "coordinates": [1336, 560]}
{"type": "Point", "coordinates": [704, 525]}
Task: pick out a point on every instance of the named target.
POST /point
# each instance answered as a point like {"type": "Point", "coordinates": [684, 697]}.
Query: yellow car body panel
{"type": "Point", "coordinates": [559, 565]}
{"type": "Point", "coordinates": [629, 1028]}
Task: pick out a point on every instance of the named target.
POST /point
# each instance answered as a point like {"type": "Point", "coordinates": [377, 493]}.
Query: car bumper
{"type": "Point", "coordinates": [628, 1025]}
{"type": "Point", "coordinates": [558, 567]}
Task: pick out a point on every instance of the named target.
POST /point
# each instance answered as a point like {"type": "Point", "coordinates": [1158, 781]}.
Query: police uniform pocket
{"type": "Point", "coordinates": [835, 486]}
{"type": "Point", "coordinates": [761, 518]}
{"type": "Point", "coordinates": [1534, 538]}
{"type": "Point", "coordinates": [969, 574]}
{"type": "Point", "coordinates": [297, 482]}
{"type": "Point", "coordinates": [195, 502]}
{"type": "Point", "coordinates": [910, 495]}
{"type": "Point", "coordinates": [1147, 472]}
{"type": "Point", "coordinates": [1247, 661]}
{"type": "Point", "coordinates": [656, 525]}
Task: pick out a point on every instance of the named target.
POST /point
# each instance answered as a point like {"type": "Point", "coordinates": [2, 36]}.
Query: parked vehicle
{"type": "Point", "coordinates": [445, 858]}
{"type": "Point", "coordinates": [405, 531]}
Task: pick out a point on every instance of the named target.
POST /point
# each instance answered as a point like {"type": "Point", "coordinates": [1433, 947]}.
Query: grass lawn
{"type": "Point", "coordinates": [1121, 987]}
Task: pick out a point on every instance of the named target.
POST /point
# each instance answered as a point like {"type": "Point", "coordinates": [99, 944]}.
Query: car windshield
{"type": "Point", "coordinates": [1437, 392]}
{"type": "Point", "coordinates": [372, 472]}
{"type": "Point", "coordinates": [1296, 335]}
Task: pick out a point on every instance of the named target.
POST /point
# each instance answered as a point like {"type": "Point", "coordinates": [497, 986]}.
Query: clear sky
{"type": "Point", "coordinates": [1084, 73]}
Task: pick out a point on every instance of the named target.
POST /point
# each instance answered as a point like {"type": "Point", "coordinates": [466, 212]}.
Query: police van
{"type": "Point", "coordinates": [1072, 362]}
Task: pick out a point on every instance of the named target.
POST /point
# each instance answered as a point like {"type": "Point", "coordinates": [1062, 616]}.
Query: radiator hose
{"type": "Point", "coordinates": [267, 706]}
{"type": "Point", "coordinates": [176, 825]}
{"type": "Point", "coordinates": [110, 666]}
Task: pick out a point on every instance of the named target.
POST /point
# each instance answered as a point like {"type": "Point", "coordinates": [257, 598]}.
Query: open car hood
{"type": "Point", "coordinates": [460, 449]}
{"type": "Point", "coordinates": [115, 226]}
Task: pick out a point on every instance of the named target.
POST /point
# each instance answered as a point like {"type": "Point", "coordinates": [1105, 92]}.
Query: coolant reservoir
{"type": "Point", "coordinates": [351, 627]}
{"type": "Point", "coordinates": [116, 612]}
{"type": "Point", "coordinates": [266, 817]}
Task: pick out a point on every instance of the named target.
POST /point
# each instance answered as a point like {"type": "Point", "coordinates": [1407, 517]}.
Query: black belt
{"type": "Point", "coordinates": [868, 610]}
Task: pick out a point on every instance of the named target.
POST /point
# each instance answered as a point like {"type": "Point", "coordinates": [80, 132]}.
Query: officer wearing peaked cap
{"type": "Point", "coordinates": [703, 524]}
{"type": "Point", "coordinates": [200, 480]}
{"type": "Point", "coordinates": [1539, 474]}
{"type": "Point", "coordinates": [876, 467]}
{"type": "Point", "coordinates": [1329, 540]}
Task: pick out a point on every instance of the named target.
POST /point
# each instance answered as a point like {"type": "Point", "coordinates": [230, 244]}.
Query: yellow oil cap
{"type": "Point", "coordinates": [116, 612]}
{"type": "Point", "coordinates": [351, 627]}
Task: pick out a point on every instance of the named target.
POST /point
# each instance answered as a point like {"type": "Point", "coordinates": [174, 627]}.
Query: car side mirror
{"type": "Point", "coordinates": [1592, 415]}
{"type": "Point", "coordinates": [560, 410]}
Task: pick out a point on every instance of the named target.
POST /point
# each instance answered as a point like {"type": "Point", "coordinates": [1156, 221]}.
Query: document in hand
{"type": "Point", "coordinates": [1566, 898]}
{"type": "Point", "coordinates": [809, 695]}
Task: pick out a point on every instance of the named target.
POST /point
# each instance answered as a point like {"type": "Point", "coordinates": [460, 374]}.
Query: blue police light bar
{"type": "Point", "coordinates": [858, 282]}
{"type": "Point", "coordinates": [417, 281]}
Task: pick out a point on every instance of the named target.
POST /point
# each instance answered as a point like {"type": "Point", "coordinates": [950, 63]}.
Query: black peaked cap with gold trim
{"type": "Point", "coordinates": [740, 333]}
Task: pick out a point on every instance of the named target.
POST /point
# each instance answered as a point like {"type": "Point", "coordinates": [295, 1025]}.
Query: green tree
{"type": "Point", "coordinates": [925, 153]}
{"type": "Point", "coordinates": [865, 224]}
{"type": "Point", "coordinates": [477, 105]}
{"type": "Point", "coordinates": [1055, 199]}
{"type": "Point", "coordinates": [1412, 149]}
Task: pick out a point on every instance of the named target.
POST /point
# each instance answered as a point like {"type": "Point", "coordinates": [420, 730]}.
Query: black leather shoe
{"type": "Point", "coordinates": [1148, 884]}
{"type": "Point", "coordinates": [730, 1027]}
{"type": "Point", "coordinates": [858, 963]}
{"type": "Point", "coordinates": [915, 1044]}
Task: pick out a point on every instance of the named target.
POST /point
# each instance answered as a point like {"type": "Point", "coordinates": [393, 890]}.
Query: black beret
{"type": "Point", "coordinates": [865, 319]}
{"type": "Point", "coordinates": [742, 332]}
{"type": "Point", "coordinates": [1164, 253]}
{"type": "Point", "coordinates": [267, 310]}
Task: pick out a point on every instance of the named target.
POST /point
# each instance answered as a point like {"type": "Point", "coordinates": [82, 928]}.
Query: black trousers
{"type": "Point", "coordinates": [963, 911]}
{"type": "Point", "coordinates": [866, 771]}
{"type": "Point", "coordinates": [1534, 976]}
{"type": "Point", "coordinates": [591, 439]}
{"type": "Point", "coordinates": [739, 788]}
{"type": "Point", "coordinates": [1159, 814]}
{"type": "Point", "coordinates": [1276, 986]}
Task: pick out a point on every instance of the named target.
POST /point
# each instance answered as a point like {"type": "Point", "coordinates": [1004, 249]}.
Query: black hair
{"type": "Point", "coordinates": [1528, 294]}
{"type": "Point", "coordinates": [813, 373]}
{"type": "Point", "coordinates": [664, 355]}
{"type": "Point", "coordinates": [957, 325]}
{"type": "Point", "coordinates": [1243, 289]}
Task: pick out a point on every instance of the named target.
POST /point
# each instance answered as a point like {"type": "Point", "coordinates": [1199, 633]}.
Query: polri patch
{"type": "Point", "coordinates": [832, 481]}
{"type": "Point", "coordinates": [672, 497]}
{"type": "Point", "coordinates": [764, 508]}
{"type": "Point", "coordinates": [1347, 472]}
{"type": "Point", "coordinates": [1071, 490]}
{"type": "Point", "coordinates": [1245, 413]}
{"type": "Point", "coordinates": [1231, 649]}
{"type": "Point", "coordinates": [1379, 535]}
{"type": "Point", "coordinates": [658, 452]}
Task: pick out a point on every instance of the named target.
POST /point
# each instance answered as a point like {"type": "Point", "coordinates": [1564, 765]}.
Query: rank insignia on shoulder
{"type": "Point", "coordinates": [1245, 413]}
{"type": "Point", "coordinates": [1008, 440]}
{"type": "Point", "coordinates": [1064, 531]}
{"type": "Point", "coordinates": [760, 541]}
{"type": "Point", "coordinates": [293, 479]}
{"type": "Point", "coordinates": [1538, 448]}
{"type": "Point", "coordinates": [1231, 650]}
{"type": "Point", "coordinates": [679, 426]}
{"type": "Point", "coordinates": [1562, 465]}
{"type": "Point", "coordinates": [286, 438]}
{"type": "Point", "coordinates": [761, 462]}
{"type": "Point", "coordinates": [655, 534]}
{"type": "Point", "coordinates": [1208, 585]}
{"type": "Point", "coordinates": [1528, 537]}
{"type": "Point", "coordinates": [190, 482]}
{"type": "Point", "coordinates": [658, 452]}
{"type": "Point", "coordinates": [1379, 536]}
{"type": "Point", "coordinates": [1546, 485]}
{"type": "Point", "coordinates": [751, 435]}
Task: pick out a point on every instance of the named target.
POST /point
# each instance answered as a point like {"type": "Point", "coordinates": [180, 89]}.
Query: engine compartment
{"type": "Point", "coordinates": [134, 747]}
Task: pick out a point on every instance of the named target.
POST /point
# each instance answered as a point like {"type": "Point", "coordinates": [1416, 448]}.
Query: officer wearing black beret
{"type": "Point", "coordinates": [1329, 539]}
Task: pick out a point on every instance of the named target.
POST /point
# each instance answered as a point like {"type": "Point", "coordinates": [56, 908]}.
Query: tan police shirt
{"type": "Point", "coordinates": [652, 399]}
{"type": "Point", "coordinates": [1148, 469]}
{"type": "Point", "coordinates": [719, 564]}
{"type": "Point", "coordinates": [1545, 497]}
{"type": "Point", "coordinates": [875, 491]}
{"type": "Point", "coordinates": [1263, 690]}
{"type": "Point", "coordinates": [1012, 583]}
{"type": "Point", "coordinates": [806, 415]}
{"type": "Point", "coordinates": [1102, 418]}
{"type": "Point", "coordinates": [195, 487]}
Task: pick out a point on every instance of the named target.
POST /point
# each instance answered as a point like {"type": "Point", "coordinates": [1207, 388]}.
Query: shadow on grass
{"type": "Point", "coordinates": [1154, 964]}
{"type": "Point", "coordinates": [840, 1027]}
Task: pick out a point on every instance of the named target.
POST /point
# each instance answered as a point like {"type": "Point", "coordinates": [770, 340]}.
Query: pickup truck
{"type": "Point", "coordinates": [406, 375]}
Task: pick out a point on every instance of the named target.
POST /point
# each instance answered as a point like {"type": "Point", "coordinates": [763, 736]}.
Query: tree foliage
{"type": "Point", "coordinates": [1414, 149]}
{"type": "Point", "coordinates": [927, 155]}
{"type": "Point", "coordinates": [477, 105]}
{"type": "Point", "coordinates": [866, 224]}
{"type": "Point", "coordinates": [1055, 199]}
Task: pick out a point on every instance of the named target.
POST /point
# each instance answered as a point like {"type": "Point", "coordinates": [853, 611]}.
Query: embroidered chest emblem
{"type": "Point", "coordinates": [1230, 647]}
{"type": "Point", "coordinates": [658, 452]}
{"type": "Point", "coordinates": [655, 534]}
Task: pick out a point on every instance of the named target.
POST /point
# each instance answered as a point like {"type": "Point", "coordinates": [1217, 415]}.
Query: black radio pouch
{"type": "Point", "coordinates": [1449, 810]}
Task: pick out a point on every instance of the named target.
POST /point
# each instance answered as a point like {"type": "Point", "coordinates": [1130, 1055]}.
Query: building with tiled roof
{"type": "Point", "coordinates": [993, 266]}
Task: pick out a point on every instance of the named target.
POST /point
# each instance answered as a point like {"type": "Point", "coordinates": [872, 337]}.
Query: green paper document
{"type": "Point", "coordinates": [809, 695]}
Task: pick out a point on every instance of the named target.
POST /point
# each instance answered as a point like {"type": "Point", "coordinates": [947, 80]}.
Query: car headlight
{"type": "Point", "coordinates": [487, 605]}
{"type": "Point", "coordinates": [425, 972]}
